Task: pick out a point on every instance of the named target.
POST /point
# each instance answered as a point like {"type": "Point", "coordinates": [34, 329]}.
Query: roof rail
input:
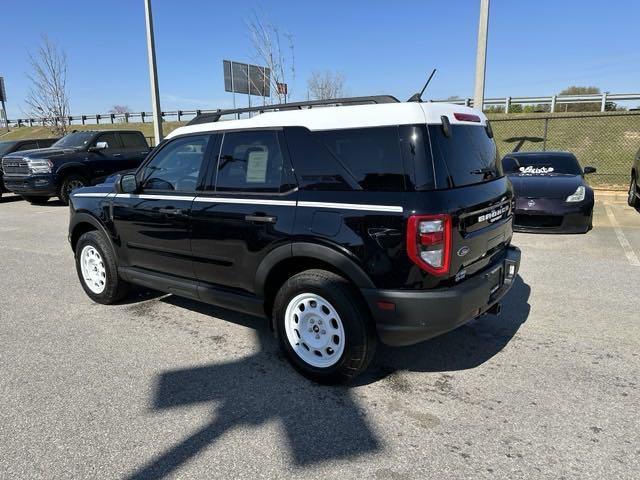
{"type": "Point", "coordinates": [215, 116]}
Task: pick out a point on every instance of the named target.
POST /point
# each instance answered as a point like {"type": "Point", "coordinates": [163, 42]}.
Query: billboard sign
{"type": "Point", "coordinates": [246, 78]}
{"type": "Point", "coordinates": [3, 92]}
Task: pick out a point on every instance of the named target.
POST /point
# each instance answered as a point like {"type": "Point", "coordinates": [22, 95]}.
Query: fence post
{"type": "Point", "coordinates": [142, 116]}
{"type": "Point", "coordinates": [179, 114]}
{"type": "Point", "coordinates": [553, 103]}
{"type": "Point", "coordinates": [30, 122]}
{"type": "Point", "coordinates": [467, 102]}
{"type": "Point", "coordinates": [546, 129]}
{"type": "Point", "coordinates": [97, 119]}
{"type": "Point", "coordinates": [507, 104]}
{"type": "Point", "coordinates": [112, 116]}
{"type": "Point", "coordinates": [126, 117]}
{"type": "Point", "coordinates": [603, 105]}
{"type": "Point", "coordinates": [84, 119]}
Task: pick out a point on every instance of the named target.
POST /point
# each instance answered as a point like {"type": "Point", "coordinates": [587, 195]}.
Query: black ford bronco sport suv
{"type": "Point", "coordinates": [76, 160]}
{"type": "Point", "coordinates": [343, 225]}
{"type": "Point", "coordinates": [11, 146]}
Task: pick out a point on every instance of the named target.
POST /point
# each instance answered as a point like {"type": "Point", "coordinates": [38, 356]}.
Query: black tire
{"type": "Point", "coordinates": [359, 331]}
{"type": "Point", "coordinates": [36, 200]}
{"type": "Point", "coordinates": [633, 200]}
{"type": "Point", "coordinates": [115, 288]}
{"type": "Point", "coordinates": [68, 184]}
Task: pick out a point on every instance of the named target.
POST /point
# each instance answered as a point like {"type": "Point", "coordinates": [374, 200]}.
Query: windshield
{"type": "Point", "coordinates": [468, 154]}
{"type": "Point", "coordinates": [5, 147]}
{"type": "Point", "coordinates": [541, 165]}
{"type": "Point", "coordinates": [74, 140]}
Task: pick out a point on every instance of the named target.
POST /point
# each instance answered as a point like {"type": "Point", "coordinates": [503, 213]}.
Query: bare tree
{"type": "Point", "coordinates": [326, 85]}
{"type": "Point", "coordinates": [48, 97]}
{"type": "Point", "coordinates": [267, 40]}
{"type": "Point", "coordinates": [120, 110]}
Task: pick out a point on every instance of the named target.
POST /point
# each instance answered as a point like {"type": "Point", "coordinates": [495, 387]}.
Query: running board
{"type": "Point", "coordinates": [183, 287]}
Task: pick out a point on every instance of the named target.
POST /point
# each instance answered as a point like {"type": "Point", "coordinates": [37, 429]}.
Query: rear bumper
{"type": "Point", "coordinates": [32, 185]}
{"type": "Point", "coordinates": [420, 315]}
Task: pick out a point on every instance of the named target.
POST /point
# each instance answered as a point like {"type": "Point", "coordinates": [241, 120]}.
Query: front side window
{"type": "Point", "coordinates": [110, 139]}
{"type": "Point", "coordinates": [176, 167]}
{"type": "Point", "coordinates": [250, 162]}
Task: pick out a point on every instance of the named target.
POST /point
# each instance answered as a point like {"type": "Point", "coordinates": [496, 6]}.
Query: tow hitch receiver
{"type": "Point", "coordinates": [495, 309]}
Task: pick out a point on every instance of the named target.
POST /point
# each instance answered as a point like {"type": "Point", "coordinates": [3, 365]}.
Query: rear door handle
{"type": "Point", "coordinates": [117, 154]}
{"type": "Point", "coordinates": [170, 211]}
{"type": "Point", "coordinates": [261, 218]}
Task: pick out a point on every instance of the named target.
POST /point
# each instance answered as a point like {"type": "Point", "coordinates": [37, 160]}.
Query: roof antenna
{"type": "Point", "coordinates": [417, 97]}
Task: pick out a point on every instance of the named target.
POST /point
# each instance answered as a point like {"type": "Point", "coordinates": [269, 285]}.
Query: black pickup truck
{"type": "Point", "coordinates": [77, 160]}
{"type": "Point", "coordinates": [11, 146]}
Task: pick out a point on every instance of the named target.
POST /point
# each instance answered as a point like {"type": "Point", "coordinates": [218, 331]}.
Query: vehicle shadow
{"type": "Point", "coordinates": [320, 423]}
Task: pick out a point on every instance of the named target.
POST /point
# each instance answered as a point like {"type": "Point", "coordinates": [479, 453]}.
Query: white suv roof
{"type": "Point", "coordinates": [335, 118]}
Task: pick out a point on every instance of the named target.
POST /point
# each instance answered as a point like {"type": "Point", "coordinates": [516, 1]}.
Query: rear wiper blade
{"type": "Point", "coordinates": [484, 171]}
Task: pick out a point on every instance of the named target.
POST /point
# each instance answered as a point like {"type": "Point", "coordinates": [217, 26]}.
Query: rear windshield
{"type": "Point", "coordinates": [468, 154]}
{"type": "Point", "coordinates": [541, 165]}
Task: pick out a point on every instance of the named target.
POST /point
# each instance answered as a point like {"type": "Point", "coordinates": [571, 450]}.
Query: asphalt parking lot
{"type": "Point", "coordinates": [162, 387]}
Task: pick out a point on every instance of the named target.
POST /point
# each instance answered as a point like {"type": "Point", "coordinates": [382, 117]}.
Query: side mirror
{"type": "Point", "coordinates": [588, 170]}
{"type": "Point", "coordinates": [126, 183]}
{"type": "Point", "coordinates": [99, 146]}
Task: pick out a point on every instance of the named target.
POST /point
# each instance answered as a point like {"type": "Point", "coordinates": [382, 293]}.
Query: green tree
{"type": "Point", "coordinates": [585, 107]}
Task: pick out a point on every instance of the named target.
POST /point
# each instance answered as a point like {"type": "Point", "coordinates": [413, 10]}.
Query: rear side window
{"type": "Point", "coordinates": [133, 140]}
{"type": "Point", "coordinates": [315, 167]}
{"type": "Point", "coordinates": [250, 162]}
{"type": "Point", "coordinates": [371, 155]}
{"type": "Point", "coordinates": [468, 154]}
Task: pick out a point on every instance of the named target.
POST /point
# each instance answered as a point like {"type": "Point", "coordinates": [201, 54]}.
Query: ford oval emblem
{"type": "Point", "coordinates": [463, 251]}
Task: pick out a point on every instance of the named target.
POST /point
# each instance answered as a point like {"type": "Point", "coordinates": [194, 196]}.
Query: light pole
{"type": "Point", "coordinates": [153, 74]}
{"type": "Point", "coordinates": [481, 56]}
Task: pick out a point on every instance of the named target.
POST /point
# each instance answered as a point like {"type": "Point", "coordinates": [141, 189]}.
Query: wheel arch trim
{"type": "Point", "coordinates": [316, 251]}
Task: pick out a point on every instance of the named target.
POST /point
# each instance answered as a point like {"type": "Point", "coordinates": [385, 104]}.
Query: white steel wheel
{"type": "Point", "coordinates": [94, 272]}
{"type": "Point", "coordinates": [314, 330]}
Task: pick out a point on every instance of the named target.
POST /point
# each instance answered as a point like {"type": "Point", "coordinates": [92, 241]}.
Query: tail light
{"type": "Point", "coordinates": [466, 117]}
{"type": "Point", "coordinates": [429, 242]}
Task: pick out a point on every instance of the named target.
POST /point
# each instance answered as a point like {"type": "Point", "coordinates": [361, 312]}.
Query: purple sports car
{"type": "Point", "coordinates": [552, 195]}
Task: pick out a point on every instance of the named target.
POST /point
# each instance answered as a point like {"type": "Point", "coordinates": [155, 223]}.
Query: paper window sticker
{"type": "Point", "coordinates": [257, 167]}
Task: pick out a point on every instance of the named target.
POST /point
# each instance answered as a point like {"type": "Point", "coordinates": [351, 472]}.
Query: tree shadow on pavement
{"type": "Point", "coordinates": [321, 423]}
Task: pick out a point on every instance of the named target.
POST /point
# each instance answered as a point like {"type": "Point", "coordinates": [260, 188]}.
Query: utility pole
{"type": "Point", "coordinates": [481, 56]}
{"type": "Point", "coordinates": [153, 74]}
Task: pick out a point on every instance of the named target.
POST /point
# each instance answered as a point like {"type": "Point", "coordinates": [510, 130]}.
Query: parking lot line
{"type": "Point", "coordinates": [622, 239]}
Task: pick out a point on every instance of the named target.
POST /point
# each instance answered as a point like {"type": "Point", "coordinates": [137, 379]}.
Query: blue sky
{"type": "Point", "coordinates": [536, 47]}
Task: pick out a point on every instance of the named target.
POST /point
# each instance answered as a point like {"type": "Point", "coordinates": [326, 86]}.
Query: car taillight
{"type": "Point", "coordinates": [466, 117]}
{"type": "Point", "coordinates": [429, 242]}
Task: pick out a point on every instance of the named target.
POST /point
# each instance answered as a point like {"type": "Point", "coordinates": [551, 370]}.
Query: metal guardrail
{"type": "Point", "coordinates": [553, 101]}
{"type": "Point", "coordinates": [182, 115]}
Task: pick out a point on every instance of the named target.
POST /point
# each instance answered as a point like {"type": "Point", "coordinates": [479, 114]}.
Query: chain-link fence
{"type": "Point", "coordinates": [607, 141]}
